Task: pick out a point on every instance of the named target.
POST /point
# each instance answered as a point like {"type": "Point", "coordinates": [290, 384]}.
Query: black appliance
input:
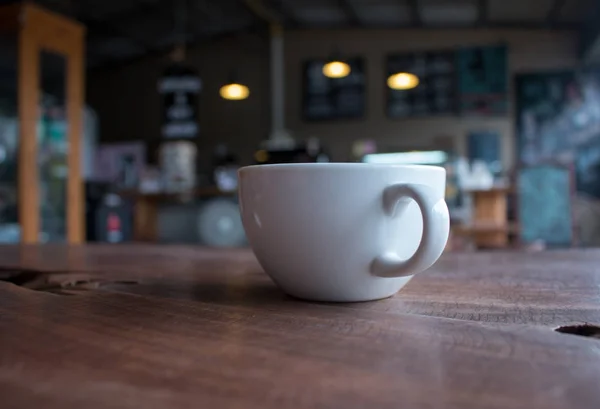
{"type": "Point", "coordinates": [94, 193]}
{"type": "Point", "coordinates": [114, 219]}
{"type": "Point", "coordinates": [299, 152]}
{"type": "Point", "coordinates": [108, 216]}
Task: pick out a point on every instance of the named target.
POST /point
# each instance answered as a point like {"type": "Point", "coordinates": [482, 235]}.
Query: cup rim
{"type": "Point", "coordinates": [340, 166]}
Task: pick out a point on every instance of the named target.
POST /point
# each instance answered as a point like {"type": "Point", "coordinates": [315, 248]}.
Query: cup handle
{"type": "Point", "coordinates": [436, 227]}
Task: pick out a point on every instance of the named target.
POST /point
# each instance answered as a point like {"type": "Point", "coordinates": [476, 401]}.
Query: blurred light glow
{"type": "Point", "coordinates": [402, 80]}
{"type": "Point", "coordinates": [261, 156]}
{"type": "Point", "coordinates": [234, 92]}
{"type": "Point", "coordinates": [336, 69]}
{"type": "Point", "coordinates": [407, 158]}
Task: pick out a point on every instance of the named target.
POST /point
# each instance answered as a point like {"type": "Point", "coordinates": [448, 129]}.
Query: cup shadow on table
{"type": "Point", "coordinates": [238, 291]}
{"type": "Point", "coordinates": [263, 294]}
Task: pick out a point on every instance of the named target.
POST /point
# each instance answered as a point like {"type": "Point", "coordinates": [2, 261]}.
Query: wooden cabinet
{"type": "Point", "coordinates": [37, 31]}
{"type": "Point", "coordinates": [489, 226]}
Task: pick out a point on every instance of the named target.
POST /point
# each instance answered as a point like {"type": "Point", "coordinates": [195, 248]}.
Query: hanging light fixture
{"type": "Point", "coordinates": [335, 67]}
{"type": "Point", "coordinates": [234, 91]}
{"type": "Point", "coordinates": [180, 31]}
{"type": "Point", "coordinates": [402, 81]}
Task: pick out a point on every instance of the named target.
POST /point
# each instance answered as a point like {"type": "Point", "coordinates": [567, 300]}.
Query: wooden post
{"type": "Point", "coordinates": [28, 96]}
{"type": "Point", "coordinates": [75, 102]}
{"type": "Point", "coordinates": [39, 29]}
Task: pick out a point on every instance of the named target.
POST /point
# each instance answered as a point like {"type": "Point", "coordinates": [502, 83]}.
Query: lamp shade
{"type": "Point", "coordinates": [336, 69]}
{"type": "Point", "coordinates": [234, 91]}
{"type": "Point", "coordinates": [402, 81]}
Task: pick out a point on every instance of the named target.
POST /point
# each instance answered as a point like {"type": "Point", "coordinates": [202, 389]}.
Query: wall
{"type": "Point", "coordinates": [129, 106]}
{"type": "Point", "coordinates": [528, 51]}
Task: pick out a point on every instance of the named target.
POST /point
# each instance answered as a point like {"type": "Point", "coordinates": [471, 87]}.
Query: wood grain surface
{"type": "Point", "coordinates": [183, 327]}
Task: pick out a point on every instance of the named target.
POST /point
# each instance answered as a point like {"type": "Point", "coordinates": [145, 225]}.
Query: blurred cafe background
{"type": "Point", "coordinates": [126, 120]}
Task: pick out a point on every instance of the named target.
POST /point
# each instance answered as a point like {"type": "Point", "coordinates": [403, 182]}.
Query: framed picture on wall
{"type": "Point", "coordinates": [436, 93]}
{"type": "Point", "coordinates": [326, 98]}
{"type": "Point", "coordinates": [120, 163]}
{"type": "Point", "coordinates": [483, 80]}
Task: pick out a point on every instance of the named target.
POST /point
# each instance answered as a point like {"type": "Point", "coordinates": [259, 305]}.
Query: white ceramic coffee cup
{"type": "Point", "coordinates": [344, 231]}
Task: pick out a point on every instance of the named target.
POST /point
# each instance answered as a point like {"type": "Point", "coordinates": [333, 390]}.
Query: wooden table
{"type": "Point", "coordinates": [184, 327]}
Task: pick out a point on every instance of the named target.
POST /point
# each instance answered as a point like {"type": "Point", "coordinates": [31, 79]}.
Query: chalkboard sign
{"type": "Point", "coordinates": [544, 205]}
{"type": "Point", "coordinates": [485, 146]}
{"type": "Point", "coordinates": [333, 98]}
{"type": "Point", "coordinates": [436, 92]}
{"type": "Point", "coordinates": [483, 80]}
{"type": "Point", "coordinates": [179, 87]}
{"type": "Point", "coordinates": [541, 100]}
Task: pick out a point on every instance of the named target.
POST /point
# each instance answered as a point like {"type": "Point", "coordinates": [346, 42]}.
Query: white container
{"type": "Point", "coordinates": [178, 166]}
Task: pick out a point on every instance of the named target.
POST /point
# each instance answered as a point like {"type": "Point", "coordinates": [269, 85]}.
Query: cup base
{"type": "Point", "coordinates": [338, 298]}
{"type": "Point", "coordinates": [338, 301]}
{"type": "Point", "coordinates": [387, 288]}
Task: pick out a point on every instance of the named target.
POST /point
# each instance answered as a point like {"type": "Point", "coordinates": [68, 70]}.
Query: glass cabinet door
{"type": "Point", "coordinates": [10, 231]}
{"type": "Point", "coordinates": [40, 159]}
{"type": "Point", "coordinates": [52, 149]}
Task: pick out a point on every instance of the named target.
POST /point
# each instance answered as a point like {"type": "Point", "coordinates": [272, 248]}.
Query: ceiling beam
{"type": "Point", "coordinates": [263, 13]}
{"type": "Point", "coordinates": [179, 12]}
{"type": "Point", "coordinates": [155, 52]}
{"type": "Point", "coordinates": [532, 26]}
{"type": "Point", "coordinates": [416, 19]}
{"type": "Point", "coordinates": [554, 12]}
{"type": "Point", "coordinates": [483, 9]}
{"type": "Point", "coordinates": [350, 12]}
{"type": "Point", "coordinates": [271, 12]}
{"type": "Point", "coordinates": [137, 12]}
{"type": "Point", "coordinates": [110, 25]}
{"type": "Point", "coordinates": [211, 11]}
{"type": "Point", "coordinates": [282, 8]}
{"type": "Point", "coordinates": [508, 25]}
{"type": "Point", "coordinates": [99, 29]}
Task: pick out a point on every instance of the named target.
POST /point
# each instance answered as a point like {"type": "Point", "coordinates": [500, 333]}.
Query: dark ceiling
{"type": "Point", "coordinates": [119, 30]}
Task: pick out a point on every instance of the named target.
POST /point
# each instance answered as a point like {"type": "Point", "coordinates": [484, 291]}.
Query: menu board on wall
{"type": "Point", "coordinates": [436, 92]}
{"type": "Point", "coordinates": [333, 98]}
{"type": "Point", "coordinates": [179, 87]}
{"type": "Point", "coordinates": [483, 80]}
{"type": "Point", "coordinates": [541, 99]}
{"type": "Point", "coordinates": [558, 120]}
